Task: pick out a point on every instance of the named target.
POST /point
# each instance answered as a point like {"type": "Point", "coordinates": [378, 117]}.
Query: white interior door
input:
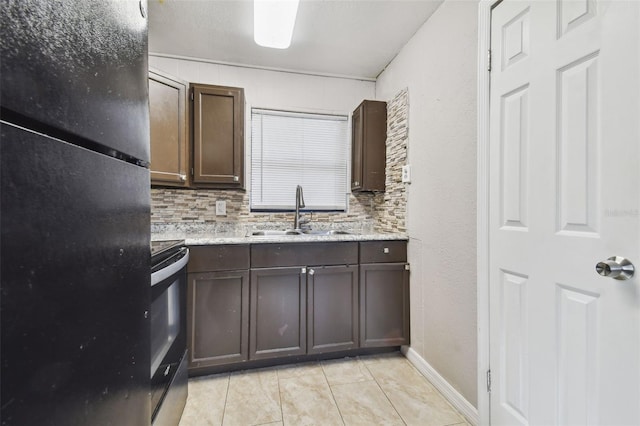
{"type": "Point", "coordinates": [564, 177]}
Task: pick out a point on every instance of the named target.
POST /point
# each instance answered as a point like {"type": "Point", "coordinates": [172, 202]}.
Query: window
{"type": "Point", "coordinates": [290, 149]}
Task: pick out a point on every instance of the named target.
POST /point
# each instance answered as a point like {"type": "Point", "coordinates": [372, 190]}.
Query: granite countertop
{"type": "Point", "coordinates": [198, 235]}
{"type": "Point", "coordinates": [216, 239]}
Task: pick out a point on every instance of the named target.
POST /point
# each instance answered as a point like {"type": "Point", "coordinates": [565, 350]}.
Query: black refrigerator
{"type": "Point", "coordinates": [75, 212]}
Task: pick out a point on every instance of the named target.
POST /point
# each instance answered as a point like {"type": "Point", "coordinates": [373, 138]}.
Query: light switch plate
{"type": "Point", "coordinates": [221, 208]}
{"type": "Point", "coordinates": [406, 174]}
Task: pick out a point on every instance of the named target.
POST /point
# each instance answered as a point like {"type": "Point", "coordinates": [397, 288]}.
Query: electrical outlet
{"type": "Point", "coordinates": [406, 174]}
{"type": "Point", "coordinates": [221, 208]}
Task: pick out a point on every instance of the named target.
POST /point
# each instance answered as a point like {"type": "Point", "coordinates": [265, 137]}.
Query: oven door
{"type": "Point", "coordinates": [168, 321]}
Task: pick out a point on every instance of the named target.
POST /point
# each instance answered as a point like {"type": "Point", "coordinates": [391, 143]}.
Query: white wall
{"type": "Point", "coordinates": [274, 89]}
{"type": "Point", "coordinates": [438, 66]}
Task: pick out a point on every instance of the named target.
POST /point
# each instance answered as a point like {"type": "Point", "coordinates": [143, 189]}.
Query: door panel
{"type": "Point", "coordinates": [278, 313]}
{"type": "Point", "coordinates": [218, 323]}
{"type": "Point", "coordinates": [565, 342]}
{"type": "Point", "coordinates": [577, 166]}
{"type": "Point", "coordinates": [514, 343]}
{"type": "Point", "coordinates": [332, 312]}
{"type": "Point", "coordinates": [514, 145]}
{"type": "Point", "coordinates": [169, 131]}
{"type": "Point", "coordinates": [384, 304]}
{"type": "Point", "coordinates": [577, 352]}
{"type": "Point", "coordinates": [218, 136]}
{"type": "Point", "coordinates": [357, 135]}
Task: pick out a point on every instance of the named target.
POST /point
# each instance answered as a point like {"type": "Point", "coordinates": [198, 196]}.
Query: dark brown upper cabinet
{"type": "Point", "coordinates": [169, 127]}
{"type": "Point", "coordinates": [218, 136]}
{"type": "Point", "coordinates": [368, 149]}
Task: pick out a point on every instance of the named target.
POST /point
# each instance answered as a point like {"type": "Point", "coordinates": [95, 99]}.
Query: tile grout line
{"type": "Point", "coordinates": [385, 394]}
{"type": "Point", "coordinates": [226, 398]}
{"type": "Point", "coordinates": [280, 395]}
{"type": "Point", "coordinates": [332, 395]}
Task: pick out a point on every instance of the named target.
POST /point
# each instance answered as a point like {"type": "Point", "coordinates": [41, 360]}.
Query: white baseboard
{"type": "Point", "coordinates": [453, 396]}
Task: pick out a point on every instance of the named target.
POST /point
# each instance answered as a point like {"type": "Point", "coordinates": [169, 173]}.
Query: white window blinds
{"type": "Point", "coordinates": [289, 149]}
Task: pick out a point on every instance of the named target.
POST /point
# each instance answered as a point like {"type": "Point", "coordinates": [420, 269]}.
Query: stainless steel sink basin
{"type": "Point", "coordinates": [275, 232]}
{"type": "Point", "coordinates": [327, 232]}
{"type": "Point", "coordinates": [278, 232]}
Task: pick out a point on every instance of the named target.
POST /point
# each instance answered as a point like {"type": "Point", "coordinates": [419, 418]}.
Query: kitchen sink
{"type": "Point", "coordinates": [327, 232]}
{"type": "Point", "coordinates": [278, 232]}
{"type": "Point", "coordinates": [275, 232]}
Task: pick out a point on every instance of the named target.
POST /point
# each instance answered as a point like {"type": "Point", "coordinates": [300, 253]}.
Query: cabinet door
{"type": "Point", "coordinates": [384, 304]}
{"type": "Point", "coordinates": [278, 312]}
{"type": "Point", "coordinates": [218, 136]}
{"type": "Point", "coordinates": [332, 312]}
{"type": "Point", "coordinates": [169, 131]}
{"type": "Point", "coordinates": [374, 152]}
{"type": "Point", "coordinates": [357, 135]}
{"type": "Point", "coordinates": [369, 148]}
{"type": "Point", "coordinates": [218, 318]}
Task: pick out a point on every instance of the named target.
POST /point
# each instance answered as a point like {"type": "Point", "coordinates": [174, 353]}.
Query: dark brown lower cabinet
{"type": "Point", "coordinates": [332, 308]}
{"type": "Point", "coordinates": [278, 313]}
{"type": "Point", "coordinates": [384, 304]}
{"type": "Point", "coordinates": [266, 306]}
{"type": "Point", "coordinates": [218, 321]}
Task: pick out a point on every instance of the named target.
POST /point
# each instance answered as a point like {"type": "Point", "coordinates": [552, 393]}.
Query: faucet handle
{"type": "Point", "coordinates": [304, 224]}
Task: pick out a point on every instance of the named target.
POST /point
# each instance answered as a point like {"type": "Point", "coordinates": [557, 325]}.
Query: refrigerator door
{"type": "Point", "coordinates": [75, 290]}
{"type": "Point", "coordinates": [78, 67]}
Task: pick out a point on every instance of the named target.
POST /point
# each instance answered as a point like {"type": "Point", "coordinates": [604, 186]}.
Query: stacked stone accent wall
{"type": "Point", "coordinates": [383, 212]}
{"type": "Point", "coordinates": [391, 206]}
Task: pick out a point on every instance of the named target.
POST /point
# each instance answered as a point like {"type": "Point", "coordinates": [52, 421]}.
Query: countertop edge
{"type": "Point", "coordinates": [202, 240]}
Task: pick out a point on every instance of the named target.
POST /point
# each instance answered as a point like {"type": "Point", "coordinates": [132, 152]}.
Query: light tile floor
{"type": "Point", "coordinates": [369, 390]}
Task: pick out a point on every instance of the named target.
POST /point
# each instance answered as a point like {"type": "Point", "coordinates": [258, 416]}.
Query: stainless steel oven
{"type": "Point", "coordinates": [168, 331]}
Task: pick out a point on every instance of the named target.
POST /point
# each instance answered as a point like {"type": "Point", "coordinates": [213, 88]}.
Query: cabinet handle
{"type": "Point", "coordinates": [385, 250]}
{"type": "Point", "coordinates": [303, 270]}
{"type": "Point", "coordinates": [311, 272]}
{"type": "Point", "coordinates": [407, 267]}
{"type": "Point", "coordinates": [355, 183]}
{"type": "Point", "coordinates": [236, 178]}
{"type": "Point", "coordinates": [183, 178]}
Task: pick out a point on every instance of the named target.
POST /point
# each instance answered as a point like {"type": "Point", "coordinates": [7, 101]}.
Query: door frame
{"type": "Point", "coordinates": [483, 172]}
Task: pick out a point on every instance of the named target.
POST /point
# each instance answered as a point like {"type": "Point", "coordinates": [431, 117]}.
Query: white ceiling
{"type": "Point", "coordinates": [355, 38]}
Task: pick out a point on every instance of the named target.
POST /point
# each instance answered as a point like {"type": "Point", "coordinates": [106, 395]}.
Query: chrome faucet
{"type": "Point", "coordinates": [299, 203]}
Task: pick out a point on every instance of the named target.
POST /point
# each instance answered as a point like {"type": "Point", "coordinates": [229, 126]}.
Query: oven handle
{"type": "Point", "coordinates": [163, 274]}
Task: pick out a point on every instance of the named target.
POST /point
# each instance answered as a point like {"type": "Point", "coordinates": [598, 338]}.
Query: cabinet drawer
{"type": "Point", "coordinates": [303, 254]}
{"type": "Point", "coordinates": [383, 251]}
{"type": "Point", "coordinates": [218, 258]}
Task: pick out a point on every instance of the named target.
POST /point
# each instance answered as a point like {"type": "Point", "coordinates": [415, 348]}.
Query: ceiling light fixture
{"type": "Point", "coordinates": [273, 22]}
